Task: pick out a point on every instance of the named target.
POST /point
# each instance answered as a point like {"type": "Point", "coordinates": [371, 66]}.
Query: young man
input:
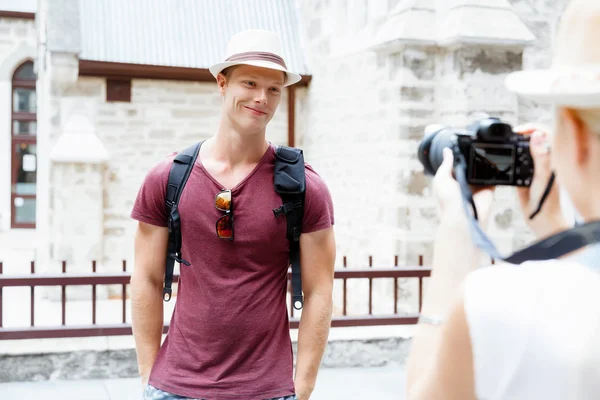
{"type": "Point", "coordinates": [229, 334]}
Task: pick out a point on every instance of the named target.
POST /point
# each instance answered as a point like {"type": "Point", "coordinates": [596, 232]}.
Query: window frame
{"type": "Point", "coordinates": [20, 139]}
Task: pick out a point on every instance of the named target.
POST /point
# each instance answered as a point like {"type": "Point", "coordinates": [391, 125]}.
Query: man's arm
{"type": "Point", "coordinates": [317, 259]}
{"type": "Point", "coordinates": [146, 294]}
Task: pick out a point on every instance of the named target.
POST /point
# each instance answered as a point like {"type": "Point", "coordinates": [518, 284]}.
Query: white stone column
{"type": "Point", "coordinates": [77, 224]}
{"type": "Point", "coordinates": [57, 73]}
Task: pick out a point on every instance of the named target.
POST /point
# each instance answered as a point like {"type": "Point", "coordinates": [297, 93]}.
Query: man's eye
{"type": "Point", "coordinates": [276, 90]}
{"type": "Point", "coordinates": [250, 83]}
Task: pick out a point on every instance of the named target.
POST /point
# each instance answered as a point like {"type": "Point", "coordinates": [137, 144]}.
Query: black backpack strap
{"type": "Point", "coordinates": [290, 184]}
{"type": "Point", "coordinates": [178, 176]}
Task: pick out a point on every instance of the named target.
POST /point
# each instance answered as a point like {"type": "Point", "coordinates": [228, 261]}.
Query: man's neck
{"type": "Point", "coordinates": [235, 148]}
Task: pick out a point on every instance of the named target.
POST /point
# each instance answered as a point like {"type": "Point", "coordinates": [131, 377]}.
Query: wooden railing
{"type": "Point", "coordinates": [93, 279]}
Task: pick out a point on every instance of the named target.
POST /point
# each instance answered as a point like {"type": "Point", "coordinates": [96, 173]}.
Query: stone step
{"type": "Point", "coordinates": [381, 383]}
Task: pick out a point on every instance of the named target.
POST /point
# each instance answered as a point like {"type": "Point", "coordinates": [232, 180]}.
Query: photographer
{"type": "Point", "coordinates": [528, 331]}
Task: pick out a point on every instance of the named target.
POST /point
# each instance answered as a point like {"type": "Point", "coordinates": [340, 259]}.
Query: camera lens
{"type": "Point", "coordinates": [430, 152]}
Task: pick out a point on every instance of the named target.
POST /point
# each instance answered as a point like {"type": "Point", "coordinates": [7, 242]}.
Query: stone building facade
{"type": "Point", "coordinates": [384, 70]}
{"type": "Point", "coordinates": [377, 72]}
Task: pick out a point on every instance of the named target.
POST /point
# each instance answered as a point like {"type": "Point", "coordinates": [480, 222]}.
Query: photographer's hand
{"type": "Point", "coordinates": [449, 197]}
{"type": "Point", "coordinates": [550, 219]}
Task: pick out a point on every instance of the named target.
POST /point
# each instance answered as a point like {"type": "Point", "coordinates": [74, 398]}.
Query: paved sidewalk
{"type": "Point", "coordinates": [384, 383]}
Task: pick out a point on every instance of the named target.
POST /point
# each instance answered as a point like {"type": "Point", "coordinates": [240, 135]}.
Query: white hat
{"type": "Point", "coordinates": [573, 80]}
{"type": "Point", "coordinates": [255, 47]}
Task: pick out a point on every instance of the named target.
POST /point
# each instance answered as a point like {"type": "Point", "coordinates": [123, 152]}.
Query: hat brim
{"type": "Point", "coordinates": [291, 78]}
{"type": "Point", "coordinates": [577, 88]}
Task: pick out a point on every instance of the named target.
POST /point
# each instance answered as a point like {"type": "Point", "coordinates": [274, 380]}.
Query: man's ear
{"type": "Point", "coordinates": [580, 134]}
{"type": "Point", "coordinates": [221, 82]}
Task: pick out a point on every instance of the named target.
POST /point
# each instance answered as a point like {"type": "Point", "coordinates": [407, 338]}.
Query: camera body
{"type": "Point", "coordinates": [494, 154]}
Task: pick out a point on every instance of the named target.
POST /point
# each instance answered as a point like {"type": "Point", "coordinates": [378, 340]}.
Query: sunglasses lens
{"type": "Point", "coordinates": [223, 201]}
{"type": "Point", "coordinates": [225, 227]}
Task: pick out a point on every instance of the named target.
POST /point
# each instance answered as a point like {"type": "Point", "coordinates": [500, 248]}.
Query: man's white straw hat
{"type": "Point", "coordinates": [256, 47]}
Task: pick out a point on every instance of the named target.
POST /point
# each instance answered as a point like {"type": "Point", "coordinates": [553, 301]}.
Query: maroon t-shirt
{"type": "Point", "coordinates": [229, 333]}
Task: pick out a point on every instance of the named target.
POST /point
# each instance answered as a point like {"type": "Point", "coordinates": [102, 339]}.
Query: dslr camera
{"type": "Point", "coordinates": [494, 154]}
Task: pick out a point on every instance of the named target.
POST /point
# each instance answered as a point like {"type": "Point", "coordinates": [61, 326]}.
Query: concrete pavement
{"type": "Point", "coordinates": [381, 383]}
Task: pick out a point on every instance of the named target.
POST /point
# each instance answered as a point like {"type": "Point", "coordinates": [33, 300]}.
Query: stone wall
{"type": "Point", "coordinates": [14, 33]}
{"type": "Point", "coordinates": [542, 17]}
{"type": "Point", "coordinates": [367, 110]}
{"type": "Point", "coordinates": [17, 45]}
{"type": "Point", "coordinates": [122, 363]}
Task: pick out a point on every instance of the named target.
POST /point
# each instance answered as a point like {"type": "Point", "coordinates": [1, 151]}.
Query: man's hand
{"type": "Point", "coordinates": [303, 393]}
{"type": "Point", "coordinates": [550, 219]}
{"type": "Point", "coordinates": [144, 384]}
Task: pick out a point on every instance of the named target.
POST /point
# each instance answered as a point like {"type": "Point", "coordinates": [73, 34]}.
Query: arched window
{"type": "Point", "coordinates": [23, 147]}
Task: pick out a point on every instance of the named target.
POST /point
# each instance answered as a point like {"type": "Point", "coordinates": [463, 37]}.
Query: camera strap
{"type": "Point", "coordinates": [550, 248]}
{"type": "Point", "coordinates": [544, 196]}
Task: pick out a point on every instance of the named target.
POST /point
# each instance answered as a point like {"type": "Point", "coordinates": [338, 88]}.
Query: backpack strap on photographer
{"type": "Point", "coordinates": [290, 184]}
{"type": "Point", "coordinates": [178, 176]}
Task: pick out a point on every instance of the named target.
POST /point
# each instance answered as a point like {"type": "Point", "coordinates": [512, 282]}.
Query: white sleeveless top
{"type": "Point", "coordinates": [535, 329]}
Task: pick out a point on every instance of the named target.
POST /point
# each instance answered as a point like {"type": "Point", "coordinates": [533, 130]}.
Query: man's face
{"type": "Point", "coordinates": [250, 96]}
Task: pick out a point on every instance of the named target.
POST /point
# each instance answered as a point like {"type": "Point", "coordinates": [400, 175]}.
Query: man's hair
{"type": "Point", "coordinates": [227, 71]}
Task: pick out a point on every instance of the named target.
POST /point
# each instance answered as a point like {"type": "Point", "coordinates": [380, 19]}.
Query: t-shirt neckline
{"type": "Point", "coordinates": [245, 179]}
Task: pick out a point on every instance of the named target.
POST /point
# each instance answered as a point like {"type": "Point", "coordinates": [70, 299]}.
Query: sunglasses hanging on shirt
{"type": "Point", "coordinates": [224, 225]}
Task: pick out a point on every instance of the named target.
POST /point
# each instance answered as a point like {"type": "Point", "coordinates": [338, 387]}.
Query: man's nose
{"type": "Point", "coordinates": [261, 96]}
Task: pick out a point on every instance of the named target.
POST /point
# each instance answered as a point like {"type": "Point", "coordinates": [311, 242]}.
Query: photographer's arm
{"type": "Point", "coordinates": [146, 294]}
{"type": "Point", "coordinates": [440, 364]}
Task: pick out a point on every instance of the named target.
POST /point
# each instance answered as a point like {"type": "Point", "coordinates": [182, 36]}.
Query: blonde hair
{"type": "Point", "coordinates": [591, 118]}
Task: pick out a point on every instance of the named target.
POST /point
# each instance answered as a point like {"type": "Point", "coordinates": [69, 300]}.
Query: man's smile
{"type": "Point", "coordinates": [255, 111]}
